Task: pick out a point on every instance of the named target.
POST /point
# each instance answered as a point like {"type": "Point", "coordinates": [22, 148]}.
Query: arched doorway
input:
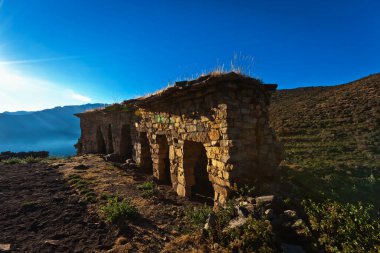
{"type": "Point", "coordinates": [195, 166]}
{"type": "Point", "coordinates": [110, 149]}
{"type": "Point", "coordinates": [163, 162]}
{"type": "Point", "coordinates": [126, 147]}
{"type": "Point", "coordinates": [145, 155]}
{"type": "Point", "coordinates": [100, 143]}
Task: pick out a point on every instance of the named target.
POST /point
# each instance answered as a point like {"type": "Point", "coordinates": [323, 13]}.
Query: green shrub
{"type": "Point", "coordinates": [197, 216]}
{"type": "Point", "coordinates": [222, 219]}
{"type": "Point", "coordinates": [26, 160]}
{"type": "Point", "coordinates": [148, 188]}
{"type": "Point", "coordinates": [344, 227]}
{"type": "Point", "coordinates": [31, 159]}
{"type": "Point", "coordinates": [116, 211]}
{"type": "Point", "coordinates": [117, 108]}
{"type": "Point", "coordinates": [13, 160]}
{"type": "Point", "coordinates": [255, 235]}
{"type": "Point", "coordinates": [106, 196]}
{"type": "Point", "coordinates": [243, 191]}
{"type": "Point", "coordinates": [83, 186]}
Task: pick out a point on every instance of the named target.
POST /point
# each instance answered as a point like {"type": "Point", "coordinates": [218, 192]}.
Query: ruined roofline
{"type": "Point", "coordinates": [187, 86]}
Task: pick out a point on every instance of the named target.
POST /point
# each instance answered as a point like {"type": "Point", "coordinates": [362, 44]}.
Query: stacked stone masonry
{"type": "Point", "coordinates": [201, 136]}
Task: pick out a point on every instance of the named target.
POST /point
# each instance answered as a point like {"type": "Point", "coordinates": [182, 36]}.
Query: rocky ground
{"type": "Point", "coordinates": [42, 210]}
{"type": "Point", "coordinates": [55, 206]}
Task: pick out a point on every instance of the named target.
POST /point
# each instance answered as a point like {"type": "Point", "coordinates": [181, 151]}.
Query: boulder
{"type": "Point", "coordinates": [5, 247]}
{"type": "Point", "coordinates": [130, 162]}
{"type": "Point", "coordinates": [52, 242]}
{"type": "Point", "coordinates": [263, 200]}
{"type": "Point", "coordinates": [269, 213]}
{"type": "Point", "coordinates": [113, 158]}
{"type": "Point", "coordinates": [242, 211]}
{"type": "Point", "coordinates": [238, 222]}
{"type": "Point", "coordinates": [290, 214]}
{"type": "Point", "coordinates": [210, 222]}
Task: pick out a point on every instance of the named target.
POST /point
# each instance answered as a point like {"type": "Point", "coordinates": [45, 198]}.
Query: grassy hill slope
{"type": "Point", "coordinates": [331, 137]}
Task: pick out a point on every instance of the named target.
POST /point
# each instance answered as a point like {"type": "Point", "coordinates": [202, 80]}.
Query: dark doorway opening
{"type": "Point", "coordinates": [126, 147]}
{"type": "Point", "coordinates": [164, 162]}
{"type": "Point", "coordinates": [146, 163]}
{"type": "Point", "coordinates": [196, 175]}
{"type": "Point", "coordinates": [101, 144]}
{"type": "Point", "coordinates": [110, 140]}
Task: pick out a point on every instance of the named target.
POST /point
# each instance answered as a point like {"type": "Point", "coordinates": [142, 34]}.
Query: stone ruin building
{"type": "Point", "coordinates": [201, 136]}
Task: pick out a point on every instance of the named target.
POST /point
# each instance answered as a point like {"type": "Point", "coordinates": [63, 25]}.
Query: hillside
{"type": "Point", "coordinates": [55, 130]}
{"type": "Point", "coordinates": [331, 136]}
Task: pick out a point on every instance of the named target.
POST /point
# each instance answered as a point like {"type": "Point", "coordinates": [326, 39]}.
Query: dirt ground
{"type": "Point", "coordinates": [43, 211]}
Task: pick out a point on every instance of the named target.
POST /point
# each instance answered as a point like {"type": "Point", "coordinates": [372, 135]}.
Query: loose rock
{"type": "Point", "coordinates": [5, 247]}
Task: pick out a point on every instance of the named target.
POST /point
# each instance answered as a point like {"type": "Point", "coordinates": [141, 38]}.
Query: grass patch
{"type": "Point", "coordinates": [13, 160]}
{"type": "Point", "coordinates": [197, 216]}
{"type": "Point", "coordinates": [31, 159]}
{"type": "Point", "coordinates": [83, 186]}
{"type": "Point", "coordinates": [116, 211]}
{"type": "Point", "coordinates": [118, 108]}
{"type": "Point", "coordinates": [344, 227]}
{"type": "Point", "coordinates": [106, 196]}
{"type": "Point", "coordinates": [256, 235]}
{"type": "Point", "coordinates": [26, 160]}
{"type": "Point", "coordinates": [110, 167]}
{"type": "Point", "coordinates": [148, 189]}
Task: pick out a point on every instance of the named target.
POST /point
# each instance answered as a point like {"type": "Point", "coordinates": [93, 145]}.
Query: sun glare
{"type": "Point", "coordinates": [22, 92]}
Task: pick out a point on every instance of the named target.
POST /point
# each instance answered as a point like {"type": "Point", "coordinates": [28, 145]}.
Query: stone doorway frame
{"type": "Point", "coordinates": [145, 154]}
{"type": "Point", "coordinates": [101, 147]}
{"type": "Point", "coordinates": [126, 147]}
{"type": "Point", "coordinates": [192, 153]}
{"type": "Point", "coordinates": [162, 168]}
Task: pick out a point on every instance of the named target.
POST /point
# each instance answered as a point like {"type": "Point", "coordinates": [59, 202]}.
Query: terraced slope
{"type": "Point", "coordinates": [333, 132]}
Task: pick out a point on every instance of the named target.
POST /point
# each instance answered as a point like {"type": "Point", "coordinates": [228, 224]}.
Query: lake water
{"type": "Point", "coordinates": [55, 148]}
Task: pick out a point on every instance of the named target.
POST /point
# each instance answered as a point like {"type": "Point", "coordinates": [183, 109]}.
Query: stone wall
{"type": "Point", "coordinates": [203, 136]}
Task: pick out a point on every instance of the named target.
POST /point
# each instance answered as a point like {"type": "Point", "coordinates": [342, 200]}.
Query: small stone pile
{"type": "Point", "coordinates": [290, 228]}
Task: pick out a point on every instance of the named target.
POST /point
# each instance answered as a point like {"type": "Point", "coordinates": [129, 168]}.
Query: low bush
{"type": "Point", "coordinates": [26, 160]}
{"type": "Point", "coordinates": [197, 216]}
{"type": "Point", "coordinates": [344, 227]}
{"type": "Point", "coordinates": [149, 189]}
{"type": "Point", "coordinates": [117, 108]}
{"type": "Point", "coordinates": [255, 235]}
{"type": "Point", "coordinates": [116, 211]}
{"type": "Point", "coordinates": [32, 159]}
{"type": "Point", "coordinates": [106, 196]}
{"type": "Point", "coordinates": [243, 191]}
{"type": "Point", "coordinates": [13, 160]}
{"type": "Point", "coordinates": [83, 186]}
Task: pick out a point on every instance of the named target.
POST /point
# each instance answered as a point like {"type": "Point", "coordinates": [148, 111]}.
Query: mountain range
{"type": "Point", "coordinates": [55, 130]}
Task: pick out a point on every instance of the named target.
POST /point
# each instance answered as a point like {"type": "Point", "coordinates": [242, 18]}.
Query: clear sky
{"type": "Point", "coordinates": [60, 52]}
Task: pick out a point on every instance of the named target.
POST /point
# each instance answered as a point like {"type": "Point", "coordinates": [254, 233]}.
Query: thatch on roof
{"type": "Point", "coordinates": [184, 87]}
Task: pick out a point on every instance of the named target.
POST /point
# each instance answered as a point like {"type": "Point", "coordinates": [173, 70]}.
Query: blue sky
{"type": "Point", "coordinates": [78, 51]}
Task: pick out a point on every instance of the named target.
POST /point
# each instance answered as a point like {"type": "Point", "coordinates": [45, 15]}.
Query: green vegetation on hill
{"type": "Point", "coordinates": [331, 137]}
